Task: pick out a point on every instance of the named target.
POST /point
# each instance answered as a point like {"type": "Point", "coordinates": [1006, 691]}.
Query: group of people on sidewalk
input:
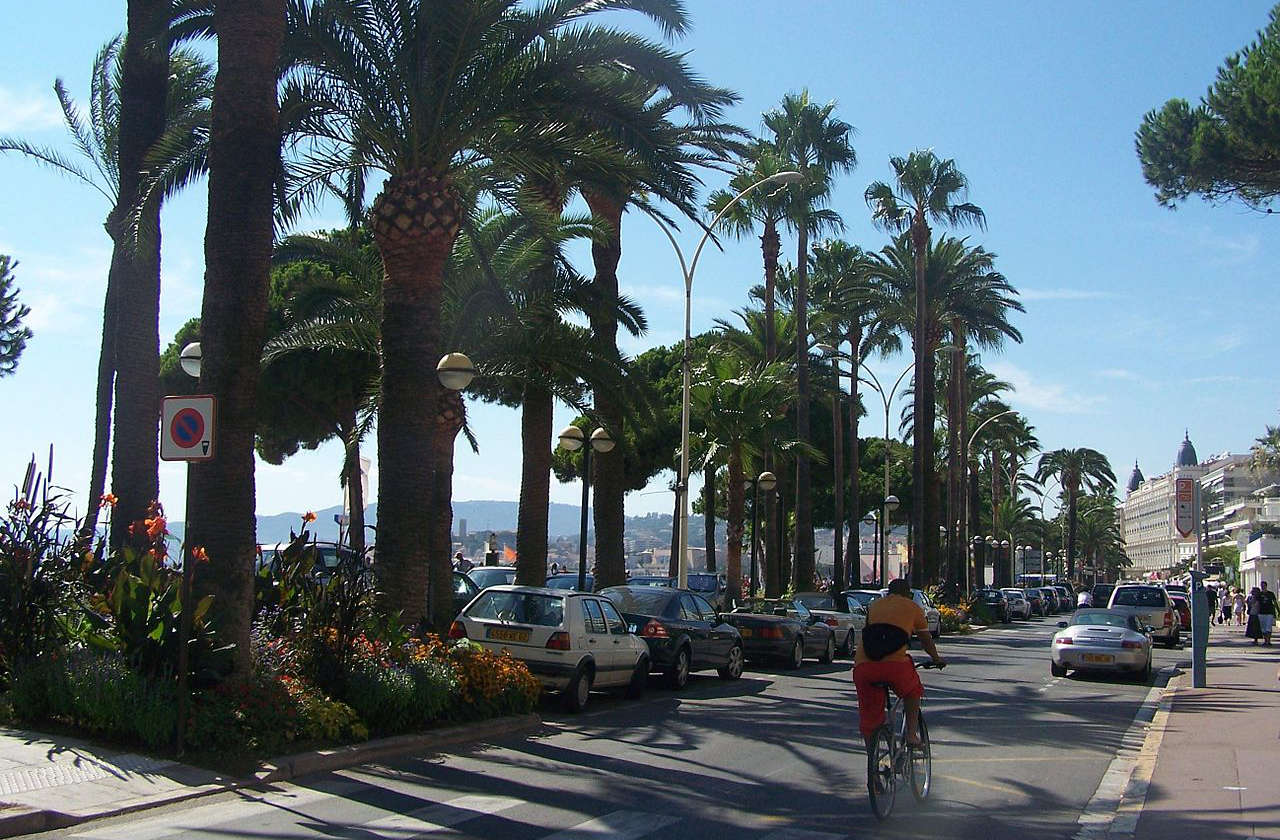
{"type": "Point", "coordinates": [1256, 612]}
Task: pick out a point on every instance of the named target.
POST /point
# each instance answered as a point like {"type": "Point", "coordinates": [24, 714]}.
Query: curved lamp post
{"type": "Point", "coordinates": [571, 440]}
{"type": "Point", "coordinates": [779, 179]}
{"type": "Point", "coordinates": [765, 481]}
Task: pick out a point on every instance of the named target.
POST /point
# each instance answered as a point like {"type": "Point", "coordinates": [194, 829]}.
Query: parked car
{"type": "Point", "coordinates": [1019, 606]}
{"type": "Point", "coordinates": [1100, 594]}
{"type": "Point", "coordinates": [932, 616]}
{"type": "Point", "coordinates": [464, 589]}
{"type": "Point", "coordinates": [1052, 604]}
{"type": "Point", "coordinates": [683, 631]}
{"type": "Point", "coordinates": [782, 629]}
{"type": "Point", "coordinates": [1101, 640]}
{"type": "Point", "coordinates": [572, 641]}
{"type": "Point", "coordinates": [569, 580]}
{"type": "Point", "coordinates": [1183, 606]}
{"type": "Point", "coordinates": [862, 597]}
{"type": "Point", "coordinates": [486, 576]}
{"type": "Point", "coordinates": [1036, 599]}
{"type": "Point", "coordinates": [713, 586]}
{"type": "Point", "coordinates": [1151, 606]}
{"type": "Point", "coordinates": [651, 580]}
{"type": "Point", "coordinates": [845, 618]}
{"type": "Point", "coordinates": [1066, 598]}
{"type": "Point", "coordinates": [996, 601]}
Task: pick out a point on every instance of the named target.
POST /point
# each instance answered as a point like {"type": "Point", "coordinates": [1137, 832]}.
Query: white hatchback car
{"type": "Point", "coordinates": [571, 641]}
{"type": "Point", "coordinates": [1019, 606]}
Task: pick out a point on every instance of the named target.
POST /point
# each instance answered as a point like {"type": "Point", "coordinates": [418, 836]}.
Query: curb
{"type": "Point", "coordinates": [21, 819]}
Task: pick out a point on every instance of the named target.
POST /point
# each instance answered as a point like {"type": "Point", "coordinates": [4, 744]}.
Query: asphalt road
{"type": "Point", "coordinates": [1017, 753]}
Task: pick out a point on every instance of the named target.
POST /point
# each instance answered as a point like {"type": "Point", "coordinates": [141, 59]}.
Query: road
{"type": "Point", "coordinates": [1017, 753]}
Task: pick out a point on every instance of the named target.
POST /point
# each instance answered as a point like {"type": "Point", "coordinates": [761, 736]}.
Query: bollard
{"type": "Point", "coordinates": [1199, 630]}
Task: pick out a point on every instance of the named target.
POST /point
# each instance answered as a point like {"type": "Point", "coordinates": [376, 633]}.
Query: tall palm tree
{"type": "Point", "coordinates": [925, 190]}
{"type": "Point", "coordinates": [446, 97]}
{"type": "Point", "coordinates": [809, 139]}
{"type": "Point", "coordinates": [1076, 470]}
{"type": "Point", "coordinates": [244, 164]}
{"type": "Point", "coordinates": [138, 146]}
{"type": "Point", "coordinates": [740, 406]}
{"type": "Point", "coordinates": [1264, 455]}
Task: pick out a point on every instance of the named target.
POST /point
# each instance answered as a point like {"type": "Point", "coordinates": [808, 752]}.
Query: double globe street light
{"type": "Point", "coordinates": [765, 481]}
{"type": "Point", "coordinates": [571, 440]}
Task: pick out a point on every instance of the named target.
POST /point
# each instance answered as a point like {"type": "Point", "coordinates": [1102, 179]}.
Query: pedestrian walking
{"type": "Point", "coordinates": [1267, 608]}
{"type": "Point", "coordinates": [1253, 627]}
{"type": "Point", "coordinates": [1239, 605]}
{"type": "Point", "coordinates": [461, 563]}
{"type": "Point", "coordinates": [1211, 594]}
{"type": "Point", "coordinates": [1228, 605]}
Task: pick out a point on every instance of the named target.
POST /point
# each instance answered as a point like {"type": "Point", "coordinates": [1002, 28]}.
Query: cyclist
{"type": "Point", "coordinates": [882, 657]}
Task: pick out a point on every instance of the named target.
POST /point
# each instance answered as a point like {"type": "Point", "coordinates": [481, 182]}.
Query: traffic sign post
{"type": "Point", "coordinates": [187, 428]}
{"type": "Point", "coordinates": [1185, 506]}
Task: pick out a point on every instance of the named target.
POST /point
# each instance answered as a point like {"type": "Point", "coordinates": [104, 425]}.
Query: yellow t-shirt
{"type": "Point", "coordinates": [896, 610]}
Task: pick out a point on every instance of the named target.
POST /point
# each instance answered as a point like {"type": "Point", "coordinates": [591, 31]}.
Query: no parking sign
{"type": "Point", "coordinates": [186, 428]}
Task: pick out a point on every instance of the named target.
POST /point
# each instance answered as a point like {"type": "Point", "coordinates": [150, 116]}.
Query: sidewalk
{"type": "Point", "coordinates": [1217, 774]}
{"type": "Point", "coordinates": [54, 781]}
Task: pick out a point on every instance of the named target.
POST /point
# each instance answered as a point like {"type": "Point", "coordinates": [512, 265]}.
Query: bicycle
{"type": "Point", "coordinates": [890, 758]}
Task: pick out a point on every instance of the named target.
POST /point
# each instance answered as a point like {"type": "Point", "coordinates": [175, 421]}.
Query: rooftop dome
{"type": "Point", "coordinates": [1187, 452]}
{"type": "Point", "coordinates": [1135, 478]}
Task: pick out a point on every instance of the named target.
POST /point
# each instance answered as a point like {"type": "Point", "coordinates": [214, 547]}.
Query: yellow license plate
{"type": "Point", "coordinates": [502, 634]}
{"type": "Point", "coordinates": [745, 632]}
{"type": "Point", "coordinates": [1099, 658]}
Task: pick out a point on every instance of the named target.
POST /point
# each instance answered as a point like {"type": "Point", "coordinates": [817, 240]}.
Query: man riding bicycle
{"type": "Point", "coordinates": [882, 658]}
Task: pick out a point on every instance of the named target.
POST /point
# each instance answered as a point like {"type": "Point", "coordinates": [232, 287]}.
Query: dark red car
{"type": "Point", "coordinates": [1183, 607]}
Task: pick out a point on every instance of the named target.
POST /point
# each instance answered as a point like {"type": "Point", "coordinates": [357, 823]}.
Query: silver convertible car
{"type": "Point", "coordinates": [1101, 640]}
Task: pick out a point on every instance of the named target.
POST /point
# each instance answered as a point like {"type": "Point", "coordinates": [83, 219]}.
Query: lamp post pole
{"type": "Point", "coordinates": [687, 269]}
{"type": "Point", "coordinates": [766, 481]}
{"type": "Point", "coordinates": [889, 505]}
{"type": "Point", "coordinates": [874, 521]}
{"type": "Point", "coordinates": [572, 439]}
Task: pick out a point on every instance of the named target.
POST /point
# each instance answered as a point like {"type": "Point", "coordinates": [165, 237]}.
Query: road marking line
{"type": "Point", "coordinates": [439, 817]}
{"type": "Point", "coordinates": [984, 785]}
{"type": "Point", "coordinates": [1049, 684]}
{"type": "Point", "coordinates": [1114, 809]}
{"type": "Point", "coordinates": [619, 825]}
{"type": "Point", "coordinates": [801, 834]}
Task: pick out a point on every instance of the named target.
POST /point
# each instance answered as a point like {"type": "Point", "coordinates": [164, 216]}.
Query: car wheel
{"type": "Point", "coordinates": [829, 653]}
{"type": "Point", "coordinates": [678, 676]}
{"type": "Point", "coordinates": [639, 679]}
{"type": "Point", "coordinates": [1145, 674]}
{"type": "Point", "coordinates": [578, 692]}
{"type": "Point", "coordinates": [797, 654]}
{"type": "Point", "coordinates": [732, 669]}
{"type": "Point", "coordinates": [1057, 670]}
{"type": "Point", "coordinates": [847, 649]}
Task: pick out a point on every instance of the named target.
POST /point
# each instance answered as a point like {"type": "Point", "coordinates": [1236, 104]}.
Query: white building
{"type": "Point", "coordinates": [1260, 559]}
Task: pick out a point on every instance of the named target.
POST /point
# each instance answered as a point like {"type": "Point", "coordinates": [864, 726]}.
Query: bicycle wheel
{"type": "Point", "coordinates": [921, 764]}
{"type": "Point", "coordinates": [882, 778]}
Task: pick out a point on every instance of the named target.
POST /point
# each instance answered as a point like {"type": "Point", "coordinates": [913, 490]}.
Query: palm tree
{"type": "Point", "coordinates": [450, 97]}
{"type": "Point", "coordinates": [1264, 455]}
{"type": "Point", "coordinates": [244, 164]}
{"type": "Point", "coordinates": [925, 189]}
{"type": "Point", "coordinates": [1076, 470]}
{"type": "Point", "coordinates": [740, 406]}
{"type": "Point", "coordinates": [139, 146]}
{"type": "Point", "coordinates": [810, 140]}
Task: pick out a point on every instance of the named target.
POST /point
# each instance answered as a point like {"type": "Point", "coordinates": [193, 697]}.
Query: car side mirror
{"type": "Point", "coordinates": [1063, 625]}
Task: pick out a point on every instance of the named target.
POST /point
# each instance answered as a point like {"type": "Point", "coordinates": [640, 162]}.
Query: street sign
{"type": "Point", "coordinates": [186, 428]}
{"type": "Point", "coordinates": [1185, 506]}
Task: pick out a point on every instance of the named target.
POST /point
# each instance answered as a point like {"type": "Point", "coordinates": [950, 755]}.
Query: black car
{"type": "Point", "coordinates": [570, 581]}
{"type": "Point", "coordinates": [683, 632]}
{"type": "Point", "coordinates": [1052, 604]}
{"type": "Point", "coordinates": [712, 586]}
{"type": "Point", "coordinates": [1100, 595]}
{"type": "Point", "coordinates": [995, 601]}
{"type": "Point", "coordinates": [782, 629]}
{"type": "Point", "coordinates": [485, 576]}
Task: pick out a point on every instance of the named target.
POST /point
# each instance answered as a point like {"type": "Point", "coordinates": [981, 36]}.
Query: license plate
{"type": "Point", "coordinates": [1099, 658]}
{"type": "Point", "coordinates": [745, 632]}
{"type": "Point", "coordinates": [503, 634]}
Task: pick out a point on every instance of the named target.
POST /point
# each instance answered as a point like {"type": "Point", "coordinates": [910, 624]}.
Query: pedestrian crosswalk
{"type": "Point", "coordinates": [290, 812]}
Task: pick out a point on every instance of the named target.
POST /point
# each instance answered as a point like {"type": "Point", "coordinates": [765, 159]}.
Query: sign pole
{"type": "Point", "coordinates": [1199, 605]}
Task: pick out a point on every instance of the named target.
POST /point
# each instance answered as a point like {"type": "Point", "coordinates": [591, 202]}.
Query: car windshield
{"type": "Point", "coordinates": [1032, 593]}
{"type": "Point", "coordinates": [568, 582]}
{"type": "Point", "coordinates": [991, 595]}
{"type": "Point", "coordinates": [484, 577]}
{"type": "Point", "coordinates": [703, 583]}
{"type": "Point", "coordinates": [1099, 617]}
{"type": "Point", "coordinates": [765, 606]}
{"type": "Point", "coordinates": [1137, 596]}
{"type": "Point", "coordinates": [817, 601]}
{"type": "Point", "coordinates": [863, 598]}
{"type": "Point", "coordinates": [520, 607]}
{"type": "Point", "coordinates": [650, 581]}
{"type": "Point", "coordinates": [1012, 593]}
{"type": "Point", "coordinates": [642, 600]}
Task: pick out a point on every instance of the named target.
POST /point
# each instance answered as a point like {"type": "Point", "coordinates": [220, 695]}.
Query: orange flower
{"type": "Point", "coordinates": [156, 526]}
{"type": "Point", "coordinates": [309, 516]}
{"type": "Point", "coordinates": [199, 555]}
{"type": "Point", "coordinates": [107, 500]}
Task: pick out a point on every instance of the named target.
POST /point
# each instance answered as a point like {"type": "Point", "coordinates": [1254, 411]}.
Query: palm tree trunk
{"type": "Point", "coordinates": [608, 483]}
{"type": "Point", "coordinates": [853, 547]}
{"type": "Point", "coordinates": [105, 391]}
{"type": "Point", "coordinates": [771, 248]}
{"type": "Point", "coordinates": [244, 160]}
{"type": "Point", "coordinates": [804, 560]}
{"type": "Point", "coordinates": [734, 527]}
{"type": "Point", "coordinates": [709, 514]}
{"type": "Point", "coordinates": [536, 418]}
{"type": "Point", "coordinates": [354, 481]}
{"type": "Point", "coordinates": [449, 421]}
{"type": "Point", "coordinates": [975, 525]}
{"type": "Point", "coordinates": [415, 223]}
{"type": "Point", "coordinates": [955, 464]}
{"type": "Point", "coordinates": [837, 473]}
{"type": "Point", "coordinates": [1073, 492]}
{"type": "Point", "coordinates": [144, 87]}
{"type": "Point", "coordinates": [922, 513]}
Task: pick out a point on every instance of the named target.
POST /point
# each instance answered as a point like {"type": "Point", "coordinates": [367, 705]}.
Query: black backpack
{"type": "Point", "coordinates": [881, 639]}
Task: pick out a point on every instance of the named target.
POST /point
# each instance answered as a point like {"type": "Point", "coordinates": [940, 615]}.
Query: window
{"type": "Point", "coordinates": [617, 626]}
{"type": "Point", "coordinates": [689, 609]}
{"type": "Point", "coordinates": [593, 617]}
{"type": "Point", "coordinates": [708, 612]}
{"type": "Point", "coordinates": [1138, 596]}
{"type": "Point", "coordinates": [520, 607]}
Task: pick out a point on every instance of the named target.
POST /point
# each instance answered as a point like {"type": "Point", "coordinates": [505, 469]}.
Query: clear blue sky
{"type": "Point", "coordinates": [1140, 321]}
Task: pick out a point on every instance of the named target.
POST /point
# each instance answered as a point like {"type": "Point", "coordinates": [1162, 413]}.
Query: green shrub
{"type": "Point", "coordinates": [258, 715]}
{"type": "Point", "coordinates": [399, 699]}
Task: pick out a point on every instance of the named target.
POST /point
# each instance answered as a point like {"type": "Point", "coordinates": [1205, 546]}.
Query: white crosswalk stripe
{"type": "Point", "coordinates": [619, 825]}
{"type": "Point", "coordinates": [439, 817]}
{"type": "Point", "coordinates": [801, 834]}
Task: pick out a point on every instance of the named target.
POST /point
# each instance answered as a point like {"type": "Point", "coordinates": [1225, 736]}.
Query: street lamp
{"type": "Point", "coordinates": [765, 481]}
{"type": "Point", "coordinates": [888, 506]}
{"type": "Point", "coordinates": [967, 447]}
{"type": "Point", "coordinates": [1006, 557]}
{"type": "Point", "coordinates": [871, 520]}
{"type": "Point", "coordinates": [455, 371]}
{"type": "Point", "coordinates": [687, 268]}
{"type": "Point", "coordinates": [571, 440]}
{"type": "Point", "coordinates": [886, 397]}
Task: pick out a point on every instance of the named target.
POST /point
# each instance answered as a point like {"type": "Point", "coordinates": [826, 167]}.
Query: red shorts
{"type": "Point", "coordinates": [900, 673]}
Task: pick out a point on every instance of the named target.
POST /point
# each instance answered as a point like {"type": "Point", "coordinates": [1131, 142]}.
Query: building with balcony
{"type": "Point", "coordinates": [1260, 559]}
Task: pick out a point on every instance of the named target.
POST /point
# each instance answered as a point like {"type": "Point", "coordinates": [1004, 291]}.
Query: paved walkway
{"type": "Point", "coordinates": [1218, 770]}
